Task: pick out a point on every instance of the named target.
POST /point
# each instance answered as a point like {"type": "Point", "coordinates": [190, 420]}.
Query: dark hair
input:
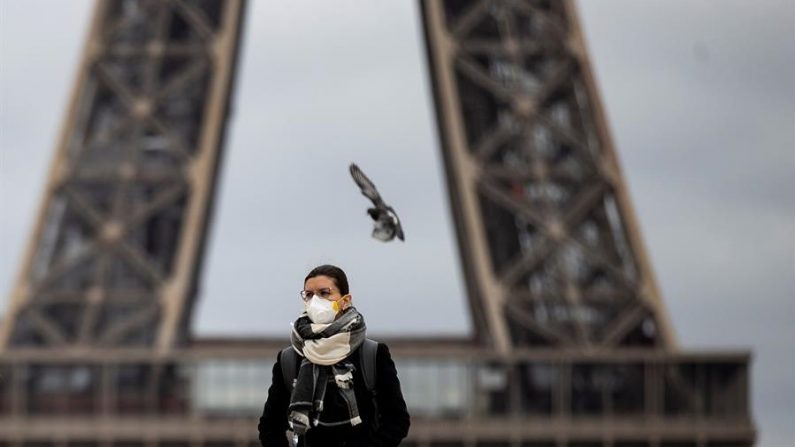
{"type": "Point", "coordinates": [333, 272]}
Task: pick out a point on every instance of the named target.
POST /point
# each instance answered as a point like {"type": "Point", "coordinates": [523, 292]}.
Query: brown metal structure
{"type": "Point", "coordinates": [119, 239]}
{"type": "Point", "coordinates": [547, 231]}
{"type": "Point", "coordinates": [572, 345]}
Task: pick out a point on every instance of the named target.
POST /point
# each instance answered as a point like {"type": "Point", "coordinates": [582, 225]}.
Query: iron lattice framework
{"type": "Point", "coordinates": [572, 347]}
{"type": "Point", "coordinates": [546, 227]}
{"type": "Point", "coordinates": [121, 233]}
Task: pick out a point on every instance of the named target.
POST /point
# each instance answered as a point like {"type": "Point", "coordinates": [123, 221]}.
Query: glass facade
{"type": "Point", "coordinates": [437, 388]}
{"type": "Point", "coordinates": [229, 387]}
{"type": "Point", "coordinates": [434, 388]}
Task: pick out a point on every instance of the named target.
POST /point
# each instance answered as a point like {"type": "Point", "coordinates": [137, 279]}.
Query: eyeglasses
{"type": "Point", "coordinates": [324, 293]}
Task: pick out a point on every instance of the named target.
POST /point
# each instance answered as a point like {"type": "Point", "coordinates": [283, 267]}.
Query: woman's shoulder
{"type": "Point", "coordinates": [381, 347]}
{"type": "Point", "coordinates": [383, 354]}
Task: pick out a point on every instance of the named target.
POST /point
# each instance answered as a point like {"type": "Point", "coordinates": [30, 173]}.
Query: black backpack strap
{"type": "Point", "coordinates": [367, 362]}
{"type": "Point", "coordinates": [288, 359]}
{"type": "Point", "coordinates": [369, 350]}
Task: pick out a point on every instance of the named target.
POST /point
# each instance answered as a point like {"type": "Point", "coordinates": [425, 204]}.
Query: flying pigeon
{"type": "Point", "coordinates": [387, 223]}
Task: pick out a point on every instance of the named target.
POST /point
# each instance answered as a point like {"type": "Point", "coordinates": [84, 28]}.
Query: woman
{"type": "Point", "coordinates": [329, 403]}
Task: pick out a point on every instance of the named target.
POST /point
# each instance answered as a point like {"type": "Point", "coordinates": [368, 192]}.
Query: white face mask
{"type": "Point", "coordinates": [321, 311]}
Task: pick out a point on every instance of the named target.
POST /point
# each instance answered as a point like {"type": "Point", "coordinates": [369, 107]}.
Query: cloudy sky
{"type": "Point", "coordinates": [700, 97]}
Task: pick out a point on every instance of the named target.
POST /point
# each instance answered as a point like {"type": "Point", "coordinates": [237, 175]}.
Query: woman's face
{"type": "Point", "coordinates": [324, 287]}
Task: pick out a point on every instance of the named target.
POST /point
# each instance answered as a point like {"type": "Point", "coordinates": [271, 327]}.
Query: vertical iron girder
{"type": "Point", "coordinates": [116, 252]}
{"type": "Point", "coordinates": [549, 241]}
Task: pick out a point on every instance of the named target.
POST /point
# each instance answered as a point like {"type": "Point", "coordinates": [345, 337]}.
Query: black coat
{"type": "Point", "coordinates": [393, 423]}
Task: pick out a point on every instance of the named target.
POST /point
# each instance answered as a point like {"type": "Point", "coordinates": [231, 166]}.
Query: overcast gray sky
{"type": "Point", "coordinates": [700, 96]}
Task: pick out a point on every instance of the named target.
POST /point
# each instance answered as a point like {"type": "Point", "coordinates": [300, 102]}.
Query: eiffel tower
{"type": "Point", "coordinates": [572, 345]}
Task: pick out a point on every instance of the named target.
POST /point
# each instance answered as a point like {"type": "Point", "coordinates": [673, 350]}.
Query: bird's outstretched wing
{"type": "Point", "coordinates": [367, 187]}
{"type": "Point", "coordinates": [398, 226]}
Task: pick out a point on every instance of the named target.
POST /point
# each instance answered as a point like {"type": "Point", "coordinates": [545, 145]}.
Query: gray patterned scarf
{"type": "Point", "coordinates": [325, 349]}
